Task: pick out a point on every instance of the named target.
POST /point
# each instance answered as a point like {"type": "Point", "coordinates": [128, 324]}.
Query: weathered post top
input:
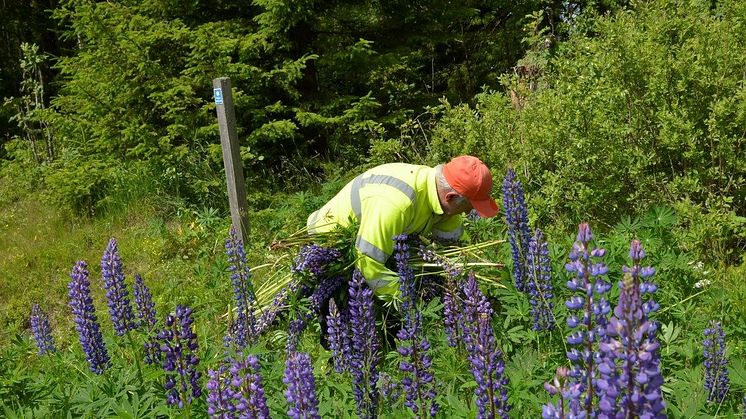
{"type": "Point", "coordinates": [231, 156]}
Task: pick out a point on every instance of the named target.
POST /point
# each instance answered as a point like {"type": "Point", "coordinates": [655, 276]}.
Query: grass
{"type": "Point", "coordinates": [41, 244]}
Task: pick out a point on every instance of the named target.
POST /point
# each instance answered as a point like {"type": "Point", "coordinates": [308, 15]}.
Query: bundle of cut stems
{"type": "Point", "coordinates": [274, 276]}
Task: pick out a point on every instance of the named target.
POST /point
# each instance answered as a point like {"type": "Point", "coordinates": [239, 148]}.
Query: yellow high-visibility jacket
{"type": "Point", "coordinates": [387, 200]}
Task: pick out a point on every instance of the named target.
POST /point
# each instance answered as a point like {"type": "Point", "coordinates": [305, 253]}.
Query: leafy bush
{"type": "Point", "coordinates": [647, 107]}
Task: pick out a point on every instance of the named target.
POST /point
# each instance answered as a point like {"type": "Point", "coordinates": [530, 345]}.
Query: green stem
{"type": "Point", "coordinates": [137, 358]}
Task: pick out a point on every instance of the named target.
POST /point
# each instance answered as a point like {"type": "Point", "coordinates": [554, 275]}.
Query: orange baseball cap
{"type": "Point", "coordinates": [472, 179]}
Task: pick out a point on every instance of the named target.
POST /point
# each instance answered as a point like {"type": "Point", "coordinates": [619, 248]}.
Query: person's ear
{"type": "Point", "coordinates": [450, 196]}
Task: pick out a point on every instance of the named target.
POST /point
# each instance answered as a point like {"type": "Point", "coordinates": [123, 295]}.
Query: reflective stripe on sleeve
{"type": "Point", "coordinates": [370, 250]}
{"type": "Point", "coordinates": [357, 183]}
{"type": "Point", "coordinates": [392, 181]}
{"type": "Point", "coordinates": [448, 235]}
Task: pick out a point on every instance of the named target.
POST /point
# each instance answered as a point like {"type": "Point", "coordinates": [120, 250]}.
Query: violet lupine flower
{"type": "Point", "coordinates": [41, 330]}
{"type": "Point", "coordinates": [86, 322]}
{"type": "Point", "coordinates": [487, 365]}
{"type": "Point", "coordinates": [247, 388]}
{"type": "Point", "coordinates": [592, 308]}
{"type": "Point", "coordinates": [418, 381]}
{"type": "Point", "coordinates": [235, 390]}
{"type": "Point", "coordinates": [314, 259]}
{"type": "Point", "coordinates": [568, 405]}
{"type": "Point", "coordinates": [364, 346]}
{"type": "Point", "coordinates": [147, 316]}
{"type": "Point", "coordinates": [117, 296]}
{"type": "Point", "coordinates": [179, 347]}
{"type": "Point", "coordinates": [452, 313]}
{"type": "Point", "coordinates": [243, 330]}
{"type": "Point", "coordinates": [323, 292]}
{"type": "Point", "coordinates": [717, 382]}
{"type": "Point", "coordinates": [144, 304]}
{"type": "Point", "coordinates": [516, 217]}
{"type": "Point", "coordinates": [640, 275]}
{"type": "Point", "coordinates": [630, 380]}
{"type": "Point", "coordinates": [279, 303]}
{"type": "Point", "coordinates": [539, 283]}
{"type": "Point", "coordinates": [339, 338]}
{"type": "Point", "coordinates": [301, 386]}
{"type": "Point", "coordinates": [295, 328]}
{"type": "Point", "coordinates": [220, 396]}
{"type": "Point", "coordinates": [388, 388]}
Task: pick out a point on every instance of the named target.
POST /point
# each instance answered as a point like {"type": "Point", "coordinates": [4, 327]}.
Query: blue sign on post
{"type": "Point", "coordinates": [218, 95]}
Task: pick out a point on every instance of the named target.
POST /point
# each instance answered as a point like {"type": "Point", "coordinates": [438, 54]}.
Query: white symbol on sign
{"type": "Point", "coordinates": [218, 95]}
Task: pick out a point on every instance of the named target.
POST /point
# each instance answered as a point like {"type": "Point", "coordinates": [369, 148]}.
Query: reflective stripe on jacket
{"type": "Point", "coordinates": [387, 200]}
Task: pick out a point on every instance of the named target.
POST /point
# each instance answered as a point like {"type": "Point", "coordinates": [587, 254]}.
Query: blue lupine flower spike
{"type": "Point", "coordinates": [717, 382]}
{"type": "Point", "coordinates": [364, 347]}
{"type": "Point", "coordinates": [180, 360]}
{"type": "Point", "coordinates": [86, 322]}
{"type": "Point", "coordinates": [41, 330]}
{"type": "Point", "coordinates": [117, 296]}
{"type": "Point", "coordinates": [516, 217]}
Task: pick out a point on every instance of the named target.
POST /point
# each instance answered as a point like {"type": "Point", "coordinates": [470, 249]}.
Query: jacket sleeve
{"type": "Point", "coordinates": [450, 229]}
{"type": "Point", "coordinates": [380, 222]}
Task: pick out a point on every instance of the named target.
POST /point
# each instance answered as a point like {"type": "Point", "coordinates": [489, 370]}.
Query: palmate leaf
{"type": "Point", "coordinates": [660, 217]}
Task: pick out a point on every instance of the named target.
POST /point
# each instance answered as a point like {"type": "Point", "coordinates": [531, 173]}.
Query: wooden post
{"type": "Point", "coordinates": [231, 156]}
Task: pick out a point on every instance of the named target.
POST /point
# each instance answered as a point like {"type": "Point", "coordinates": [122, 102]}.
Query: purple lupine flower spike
{"type": "Point", "coordinates": [147, 317]}
{"type": "Point", "coordinates": [243, 331]}
{"type": "Point", "coordinates": [179, 347]}
{"type": "Point", "coordinates": [516, 217]}
{"type": "Point", "coordinates": [301, 386]}
{"type": "Point", "coordinates": [364, 346]}
{"type": "Point", "coordinates": [588, 315]}
{"type": "Point", "coordinates": [314, 260]}
{"type": "Point", "coordinates": [339, 338]}
{"type": "Point", "coordinates": [86, 322]}
{"type": "Point", "coordinates": [295, 328]}
{"type": "Point", "coordinates": [220, 397]}
{"type": "Point", "coordinates": [629, 382]}
{"type": "Point", "coordinates": [326, 288]}
{"type": "Point", "coordinates": [247, 387]}
{"type": "Point", "coordinates": [486, 359]}
{"type": "Point", "coordinates": [418, 381]}
{"type": "Point", "coordinates": [41, 330]}
{"type": "Point", "coordinates": [717, 381]}
{"type": "Point", "coordinates": [452, 313]}
{"type": "Point", "coordinates": [117, 296]}
{"type": "Point", "coordinates": [144, 303]}
{"type": "Point", "coordinates": [539, 283]}
{"type": "Point", "coordinates": [568, 405]}
{"type": "Point", "coordinates": [279, 303]}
